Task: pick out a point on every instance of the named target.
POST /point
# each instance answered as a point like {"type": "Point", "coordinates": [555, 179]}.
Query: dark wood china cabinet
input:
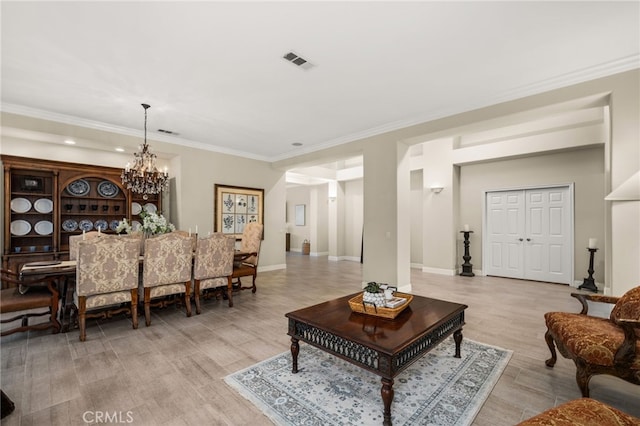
{"type": "Point", "coordinates": [45, 202]}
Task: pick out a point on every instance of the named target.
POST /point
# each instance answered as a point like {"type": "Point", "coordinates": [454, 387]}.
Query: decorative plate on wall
{"type": "Point", "coordinates": [114, 224]}
{"type": "Point", "coordinates": [78, 188]}
{"type": "Point", "coordinates": [20, 205]}
{"type": "Point", "coordinates": [69, 225]}
{"type": "Point", "coordinates": [20, 227]}
{"type": "Point", "coordinates": [136, 208]}
{"type": "Point", "coordinates": [150, 208]}
{"type": "Point", "coordinates": [101, 225]}
{"type": "Point", "coordinates": [108, 189]}
{"type": "Point", "coordinates": [85, 225]}
{"type": "Point", "coordinates": [43, 205]}
{"type": "Point", "coordinates": [44, 227]}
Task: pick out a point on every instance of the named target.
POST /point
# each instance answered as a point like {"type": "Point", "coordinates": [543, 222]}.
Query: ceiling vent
{"type": "Point", "coordinates": [168, 132]}
{"type": "Point", "coordinates": [295, 59]}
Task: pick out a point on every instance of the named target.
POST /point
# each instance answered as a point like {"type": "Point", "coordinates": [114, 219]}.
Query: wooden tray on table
{"type": "Point", "coordinates": [357, 305]}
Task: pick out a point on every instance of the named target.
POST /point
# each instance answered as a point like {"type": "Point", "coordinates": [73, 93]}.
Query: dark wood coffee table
{"type": "Point", "coordinates": [382, 346]}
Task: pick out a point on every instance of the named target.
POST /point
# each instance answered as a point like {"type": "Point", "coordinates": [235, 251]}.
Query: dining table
{"type": "Point", "coordinates": [66, 270]}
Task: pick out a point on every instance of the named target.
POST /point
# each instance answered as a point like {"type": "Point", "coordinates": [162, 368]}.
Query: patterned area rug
{"type": "Point", "coordinates": [438, 389]}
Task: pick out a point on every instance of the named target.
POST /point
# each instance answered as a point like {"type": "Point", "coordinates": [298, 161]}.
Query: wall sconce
{"type": "Point", "coordinates": [436, 189]}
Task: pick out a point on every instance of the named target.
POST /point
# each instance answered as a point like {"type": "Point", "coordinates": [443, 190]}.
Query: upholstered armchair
{"type": "Point", "coordinates": [582, 412]}
{"type": "Point", "coordinates": [107, 279]}
{"type": "Point", "coordinates": [213, 266]}
{"type": "Point", "coordinates": [598, 345]}
{"type": "Point", "coordinates": [248, 265]}
{"type": "Point", "coordinates": [38, 294]}
{"type": "Point", "coordinates": [167, 271]}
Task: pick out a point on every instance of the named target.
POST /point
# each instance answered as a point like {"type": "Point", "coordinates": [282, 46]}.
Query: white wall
{"type": "Point", "coordinates": [415, 215]}
{"type": "Point", "coordinates": [295, 196]}
{"type": "Point", "coordinates": [584, 168]}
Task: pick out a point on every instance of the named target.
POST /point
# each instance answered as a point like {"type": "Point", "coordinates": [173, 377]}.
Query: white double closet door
{"type": "Point", "coordinates": [529, 234]}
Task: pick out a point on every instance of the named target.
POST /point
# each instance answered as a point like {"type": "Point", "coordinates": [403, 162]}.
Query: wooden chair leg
{"type": "Point", "coordinates": [82, 310]}
{"type": "Point", "coordinates": [147, 306]}
{"type": "Point", "coordinates": [196, 296]}
{"type": "Point", "coordinates": [230, 290]}
{"type": "Point", "coordinates": [554, 357]}
{"type": "Point", "coordinates": [134, 307]}
{"type": "Point", "coordinates": [187, 297]}
{"type": "Point", "coordinates": [254, 288]}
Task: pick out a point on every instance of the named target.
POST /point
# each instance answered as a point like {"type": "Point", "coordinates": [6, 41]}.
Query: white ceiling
{"type": "Point", "coordinates": [213, 71]}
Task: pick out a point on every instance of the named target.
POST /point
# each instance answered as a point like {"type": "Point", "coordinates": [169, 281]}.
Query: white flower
{"type": "Point", "coordinates": [153, 223]}
{"type": "Point", "coordinates": [123, 226]}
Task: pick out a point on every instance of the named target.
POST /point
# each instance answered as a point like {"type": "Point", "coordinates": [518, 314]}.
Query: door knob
{"type": "Point", "coordinates": [528, 239]}
{"type": "Point", "coordinates": [519, 239]}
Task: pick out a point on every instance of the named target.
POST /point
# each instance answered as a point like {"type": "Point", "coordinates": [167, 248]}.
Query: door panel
{"type": "Point", "coordinates": [530, 234]}
{"type": "Point", "coordinates": [506, 223]}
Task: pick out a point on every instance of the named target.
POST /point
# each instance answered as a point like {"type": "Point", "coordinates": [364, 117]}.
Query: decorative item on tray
{"type": "Point", "coordinates": [380, 300]}
{"type": "Point", "coordinates": [108, 189]}
{"type": "Point", "coordinates": [79, 188]}
{"type": "Point", "coordinates": [20, 205]}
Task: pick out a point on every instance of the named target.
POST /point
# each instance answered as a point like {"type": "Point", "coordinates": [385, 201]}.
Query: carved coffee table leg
{"type": "Point", "coordinates": [457, 336]}
{"type": "Point", "coordinates": [295, 348]}
{"type": "Point", "coordinates": [387, 398]}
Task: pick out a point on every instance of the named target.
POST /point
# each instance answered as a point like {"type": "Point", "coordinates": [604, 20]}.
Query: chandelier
{"type": "Point", "coordinates": [144, 177]}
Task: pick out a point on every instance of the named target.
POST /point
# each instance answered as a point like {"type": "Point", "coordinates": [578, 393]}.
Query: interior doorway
{"type": "Point", "coordinates": [529, 234]}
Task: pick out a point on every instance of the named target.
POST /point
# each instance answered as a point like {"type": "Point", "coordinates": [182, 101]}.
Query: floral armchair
{"type": "Point", "coordinates": [248, 265]}
{"type": "Point", "coordinates": [583, 412]}
{"type": "Point", "coordinates": [598, 345]}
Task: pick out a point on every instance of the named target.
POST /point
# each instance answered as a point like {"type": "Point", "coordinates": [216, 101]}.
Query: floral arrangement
{"type": "Point", "coordinates": [152, 224]}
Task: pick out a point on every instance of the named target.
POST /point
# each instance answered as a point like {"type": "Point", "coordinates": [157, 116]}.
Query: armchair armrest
{"type": "Point", "coordinates": [583, 298]}
{"type": "Point", "coordinates": [627, 351]}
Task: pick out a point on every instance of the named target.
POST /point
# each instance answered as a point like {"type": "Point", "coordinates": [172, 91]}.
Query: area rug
{"type": "Point", "coordinates": [438, 389]}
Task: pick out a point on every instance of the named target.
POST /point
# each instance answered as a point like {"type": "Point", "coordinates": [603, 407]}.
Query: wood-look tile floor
{"type": "Point", "coordinates": [171, 373]}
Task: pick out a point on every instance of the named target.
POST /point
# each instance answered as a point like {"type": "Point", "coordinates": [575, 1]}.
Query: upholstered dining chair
{"type": "Point", "coordinates": [167, 267]}
{"type": "Point", "coordinates": [213, 266]}
{"type": "Point", "coordinates": [74, 239]}
{"type": "Point", "coordinates": [41, 293]}
{"type": "Point", "coordinates": [248, 265]}
{"type": "Point", "coordinates": [107, 279]}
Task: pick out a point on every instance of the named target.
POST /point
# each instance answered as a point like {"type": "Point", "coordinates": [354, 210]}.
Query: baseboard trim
{"type": "Point", "coordinates": [439, 271]}
{"type": "Point", "coordinates": [272, 267]}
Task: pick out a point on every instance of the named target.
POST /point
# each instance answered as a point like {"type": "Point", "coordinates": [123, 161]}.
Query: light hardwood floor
{"type": "Point", "coordinates": [171, 373]}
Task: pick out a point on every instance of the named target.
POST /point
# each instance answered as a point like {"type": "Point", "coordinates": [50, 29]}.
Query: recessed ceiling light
{"type": "Point", "coordinates": [120, 149]}
{"type": "Point", "coordinates": [296, 144]}
{"type": "Point", "coordinates": [70, 142]}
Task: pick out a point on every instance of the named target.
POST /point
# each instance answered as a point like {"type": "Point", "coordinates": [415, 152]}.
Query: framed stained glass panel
{"type": "Point", "coordinates": [235, 206]}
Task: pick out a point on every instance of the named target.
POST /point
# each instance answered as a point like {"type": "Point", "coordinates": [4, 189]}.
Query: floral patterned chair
{"type": "Point", "coordinates": [582, 412]}
{"type": "Point", "coordinates": [598, 345]}
{"type": "Point", "coordinates": [166, 271]}
{"type": "Point", "coordinates": [213, 266]}
{"type": "Point", "coordinates": [74, 239]}
{"type": "Point", "coordinates": [106, 279]}
{"type": "Point", "coordinates": [248, 265]}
